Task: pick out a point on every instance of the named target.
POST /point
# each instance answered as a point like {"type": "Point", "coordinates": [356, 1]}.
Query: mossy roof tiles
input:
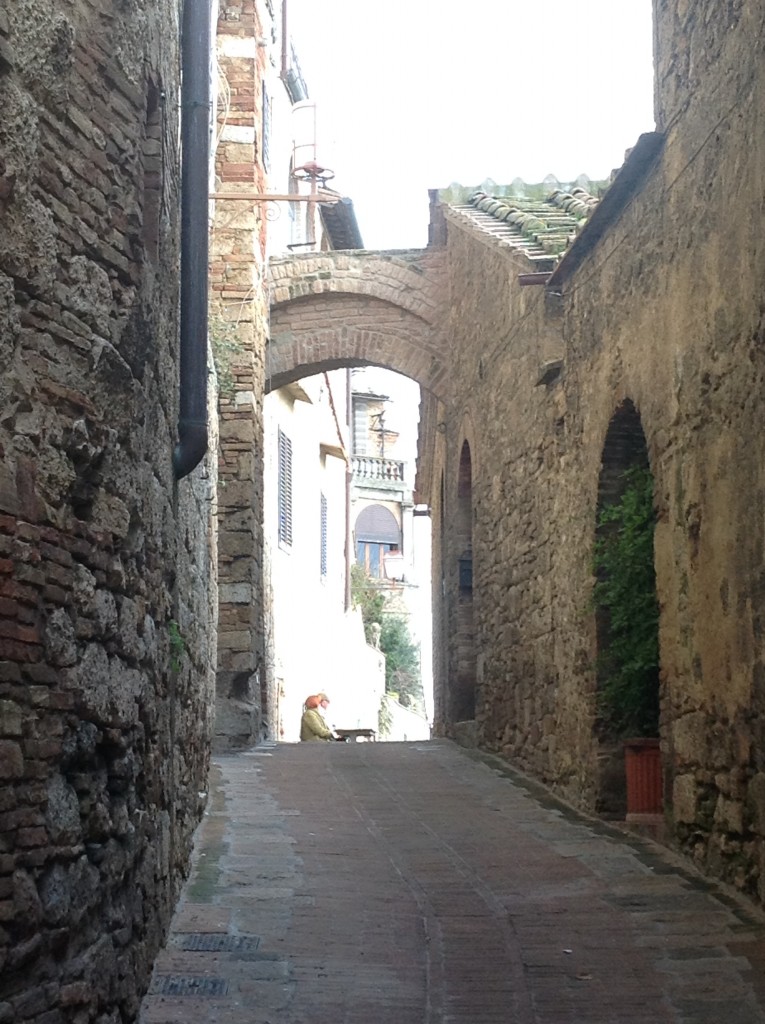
{"type": "Point", "coordinates": [541, 227]}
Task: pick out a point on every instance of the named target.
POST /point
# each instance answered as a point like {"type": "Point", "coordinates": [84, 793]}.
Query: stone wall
{"type": "Point", "coordinates": [666, 312]}
{"type": "Point", "coordinates": [106, 617]}
{"type": "Point", "coordinates": [510, 426]}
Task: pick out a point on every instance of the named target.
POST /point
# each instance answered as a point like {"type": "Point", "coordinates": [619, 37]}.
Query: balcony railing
{"type": "Point", "coordinates": [371, 468]}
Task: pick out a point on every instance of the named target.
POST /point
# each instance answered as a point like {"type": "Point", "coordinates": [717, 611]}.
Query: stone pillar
{"type": "Point", "coordinates": [239, 323]}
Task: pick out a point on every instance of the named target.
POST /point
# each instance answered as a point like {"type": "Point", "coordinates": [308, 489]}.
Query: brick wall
{"type": "Point", "coordinates": [106, 618]}
{"type": "Point", "coordinates": [335, 309]}
{"type": "Point", "coordinates": [240, 328]}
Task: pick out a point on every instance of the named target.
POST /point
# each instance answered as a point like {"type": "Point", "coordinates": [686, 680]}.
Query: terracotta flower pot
{"type": "Point", "coordinates": [642, 758]}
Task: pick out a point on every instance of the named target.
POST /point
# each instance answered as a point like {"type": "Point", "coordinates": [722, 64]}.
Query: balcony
{"type": "Point", "coordinates": [373, 470]}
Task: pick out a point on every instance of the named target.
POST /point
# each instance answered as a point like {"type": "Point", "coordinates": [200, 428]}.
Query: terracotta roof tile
{"type": "Point", "coordinates": [541, 223]}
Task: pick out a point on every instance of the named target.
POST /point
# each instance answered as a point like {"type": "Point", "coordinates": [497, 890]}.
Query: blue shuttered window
{"type": "Point", "coordinates": [285, 489]}
{"type": "Point", "coordinates": [323, 537]}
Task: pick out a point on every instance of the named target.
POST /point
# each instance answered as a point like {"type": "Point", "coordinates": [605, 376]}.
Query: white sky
{"type": "Point", "coordinates": [417, 94]}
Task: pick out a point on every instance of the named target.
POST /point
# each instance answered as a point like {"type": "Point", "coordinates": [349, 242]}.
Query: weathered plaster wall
{"type": "Point", "coordinates": [106, 619]}
{"type": "Point", "coordinates": [667, 312]}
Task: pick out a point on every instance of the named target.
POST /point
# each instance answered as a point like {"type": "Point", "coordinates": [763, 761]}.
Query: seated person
{"type": "Point", "coordinates": [312, 724]}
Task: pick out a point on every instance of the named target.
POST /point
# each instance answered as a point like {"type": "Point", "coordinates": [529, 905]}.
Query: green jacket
{"type": "Point", "coordinates": [313, 726]}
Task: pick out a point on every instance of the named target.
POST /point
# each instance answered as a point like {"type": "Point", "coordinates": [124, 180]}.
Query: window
{"type": "Point", "coordinates": [371, 555]}
{"type": "Point", "coordinates": [285, 489]}
{"type": "Point", "coordinates": [377, 532]}
{"type": "Point", "coordinates": [323, 555]}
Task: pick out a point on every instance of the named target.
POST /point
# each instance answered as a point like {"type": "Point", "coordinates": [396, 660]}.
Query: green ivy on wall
{"type": "Point", "coordinates": [177, 645]}
{"type": "Point", "coordinates": [625, 600]}
{"type": "Point", "coordinates": [367, 597]}
{"type": "Point", "coordinates": [226, 346]}
{"type": "Point", "coordinates": [402, 655]}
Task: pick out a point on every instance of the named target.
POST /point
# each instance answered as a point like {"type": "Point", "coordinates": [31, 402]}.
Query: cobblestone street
{"type": "Point", "coordinates": [419, 883]}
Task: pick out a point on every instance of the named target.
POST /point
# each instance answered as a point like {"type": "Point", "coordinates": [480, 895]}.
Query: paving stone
{"type": "Point", "coordinates": [409, 884]}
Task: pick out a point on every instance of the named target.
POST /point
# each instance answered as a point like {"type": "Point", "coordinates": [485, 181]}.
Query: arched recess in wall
{"type": "Point", "coordinates": [377, 533]}
{"type": "Point", "coordinates": [626, 620]}
{"type": "Point", "coordinates": [440, 649]}
{"type": "Point", "coordinates": [463, 671]}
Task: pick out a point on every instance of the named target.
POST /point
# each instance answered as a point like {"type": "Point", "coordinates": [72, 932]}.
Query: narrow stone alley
{"type": "Point", "coordinates": [420, 883]}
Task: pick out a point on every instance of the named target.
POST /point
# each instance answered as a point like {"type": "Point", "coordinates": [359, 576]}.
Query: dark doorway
{"type": "Point", "coordinates": [464, 670]}
{"type": "Point", "coordinates": [626, 613]}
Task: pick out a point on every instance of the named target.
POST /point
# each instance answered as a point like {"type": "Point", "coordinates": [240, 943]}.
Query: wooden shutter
{"type": "Point", "coordinates": [323, 536]}
{"type": "Point", "coordinates": [285, 489]}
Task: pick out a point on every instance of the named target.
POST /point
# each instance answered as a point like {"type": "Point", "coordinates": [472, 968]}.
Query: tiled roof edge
{"type": "Point", "coordinates": [628, 180]}
{"type": "Point", "coordinates": [551, 223]}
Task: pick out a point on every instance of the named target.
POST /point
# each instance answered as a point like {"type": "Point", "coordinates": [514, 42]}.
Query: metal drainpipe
{"type": "Point", "coordinates": [195, 158]}
{"type": "Point", "coordinates": [349, 552]}
{"type": "Point", "coordinates": [285, 42]}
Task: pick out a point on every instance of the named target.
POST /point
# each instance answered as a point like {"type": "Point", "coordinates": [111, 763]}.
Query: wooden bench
{"type": "Point", "coordinates": [354, 735]}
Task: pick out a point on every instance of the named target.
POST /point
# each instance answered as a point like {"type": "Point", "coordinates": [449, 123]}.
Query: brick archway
{"type": "Point", "coordinates": [355, 309]}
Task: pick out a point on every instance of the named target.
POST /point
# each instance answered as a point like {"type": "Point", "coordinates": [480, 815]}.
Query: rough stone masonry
{"type": "Point", "coordinates": [656, 324]}
{"type": "Point", "coordinates": [106, 614]}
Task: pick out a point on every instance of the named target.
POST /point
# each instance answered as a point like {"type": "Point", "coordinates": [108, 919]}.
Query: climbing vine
{"type": "Point", "coordinates": [625, 599]}
{"type": "Point", "coordinates": [177, 645]}
{"type": "Point", "coordinates": [384, 718]}
{"type": "Point", "coordinates": [365, 596]}
{"type": "Point", "coordinates": [402, 663]}
{"type": "Point", "coordinates": [226, 346]}
{"type": "Point", "coordinates": [403, 678]}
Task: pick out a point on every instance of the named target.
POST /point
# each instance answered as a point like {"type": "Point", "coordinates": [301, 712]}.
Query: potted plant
{"type": "Point", "coordinates": [642, 764]}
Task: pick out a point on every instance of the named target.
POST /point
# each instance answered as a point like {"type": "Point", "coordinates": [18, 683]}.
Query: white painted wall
{"type": "Point", "coordinates": [405, 724]}
{"type": "Point", "coordinates": [314, 644]}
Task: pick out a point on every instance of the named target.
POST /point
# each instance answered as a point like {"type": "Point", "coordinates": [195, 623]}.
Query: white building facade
{"type": "Point", "coordinates": [315, 640]}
